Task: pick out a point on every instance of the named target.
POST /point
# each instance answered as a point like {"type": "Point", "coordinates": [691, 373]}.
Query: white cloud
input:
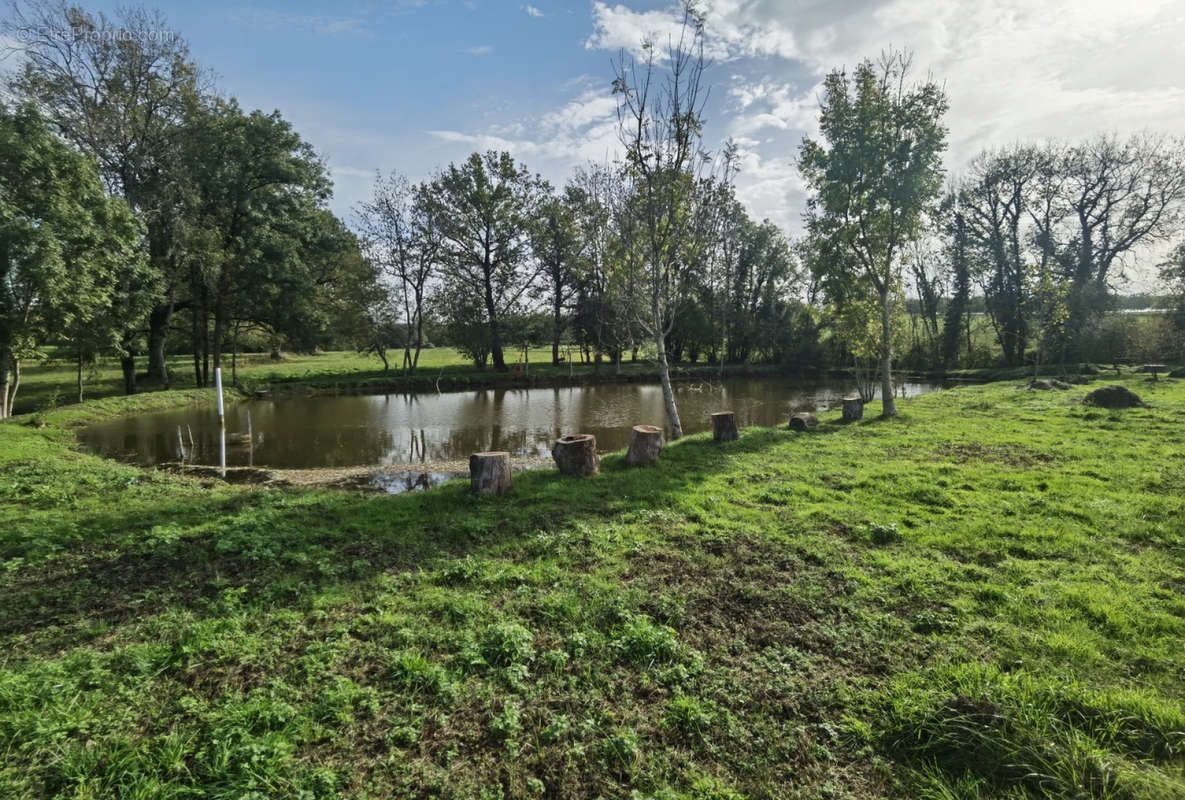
{"type": "Point", "coordinates": [582, 130]}
{"type": "Point", "coordinates": [480, 50]}
{"type": "Point", "coordinates": [320, 25]}
{"type": "Point", "coordinates": [1013, 69]}
{"type": "Point", "coordinates": [532, 11]}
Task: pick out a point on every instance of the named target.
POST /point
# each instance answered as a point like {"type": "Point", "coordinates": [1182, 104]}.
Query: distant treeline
{"type": "Point", "coordinates": [146, 213]}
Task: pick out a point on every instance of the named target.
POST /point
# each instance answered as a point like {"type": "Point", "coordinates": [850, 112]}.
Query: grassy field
{"type": "Point", "coordinates": [982, 598]}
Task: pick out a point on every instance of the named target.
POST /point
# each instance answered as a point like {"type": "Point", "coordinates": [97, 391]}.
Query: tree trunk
{"type": "Point", "coordinates": [415, 361]}
{"type": "Point", "coordinates": [128, 365]}
{"type": "Point", "coordinates": [556, 329]}
{"type": "Point", "coordinates": [888, 405]}
{"type": "Point", "coordinates": [489, 473]}
{"type": "Point", "coordinates": [853, 408]}
{"type": "Point", "coordinates": [7, 390]}
{"type": "Point", "coordinates": [234, 355]}
{"type": "Point", "coordinates": [724, 426]}
{"type": "Point", "coordinates": [158, 328]}
{"type": "Point", "coordinates": [576, 454]}
{"type": "Point", "coordinates": [668, 393]}
{"type": "Point", "coordinates": [803, 420]}
{"type": "Point", "coordinates": [79, 376]}
{"type": "Point", "coordinates": [645, 444]}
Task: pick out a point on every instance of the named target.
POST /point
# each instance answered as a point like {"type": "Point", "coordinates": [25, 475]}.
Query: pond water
{"type": "Point", "coordinates": [390, 430]}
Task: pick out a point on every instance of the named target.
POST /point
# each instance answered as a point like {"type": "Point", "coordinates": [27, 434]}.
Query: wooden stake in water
{"type": "Point", "coordinates": [250, 441]}
{"type": "Point", "coordinates": [180, 445]}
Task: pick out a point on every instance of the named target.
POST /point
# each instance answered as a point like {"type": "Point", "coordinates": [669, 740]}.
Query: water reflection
{"type": "Point", "coordinates": [403, 429]}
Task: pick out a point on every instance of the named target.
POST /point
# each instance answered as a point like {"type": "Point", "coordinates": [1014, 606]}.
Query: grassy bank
{"type": "Point", "coordinates": [983, 598]}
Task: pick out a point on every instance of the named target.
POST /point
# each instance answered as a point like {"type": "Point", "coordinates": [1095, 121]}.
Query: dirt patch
{"type": "Point", "coordinates": [1015, 455]}
{"type": "Point", "coordinates": [393, 479]}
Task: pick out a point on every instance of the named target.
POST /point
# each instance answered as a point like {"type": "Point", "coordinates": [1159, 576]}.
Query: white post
{"type": "Point", "coordinates": [222, 452]}
{"type": "Point", "coordinates": [218, 389]}
{"type": "Point", "coordinates": [250, 441]}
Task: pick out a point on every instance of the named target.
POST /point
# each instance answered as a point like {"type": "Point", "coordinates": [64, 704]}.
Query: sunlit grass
{"type": "Point", "coordinates": [983, 598]}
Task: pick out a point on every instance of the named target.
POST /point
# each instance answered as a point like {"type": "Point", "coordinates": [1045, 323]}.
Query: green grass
{"type": "Point", "coordinates": [982, 598]}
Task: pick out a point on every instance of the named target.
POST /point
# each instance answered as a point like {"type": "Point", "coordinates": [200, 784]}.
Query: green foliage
{"type": "Point", "coordinates": [62, 245]}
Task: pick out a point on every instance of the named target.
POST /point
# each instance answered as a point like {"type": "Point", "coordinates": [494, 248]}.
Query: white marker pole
{"type": "Point", "coordinates": [218, 389]}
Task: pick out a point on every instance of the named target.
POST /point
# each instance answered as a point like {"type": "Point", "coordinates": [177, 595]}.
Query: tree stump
{"type": "Point", "coordinates": [724, 426]}
{"type": "Point", "coordinates": [645, 444]}
{"type": "Point", "coordinates": [489, 473]}
{"type": "Point", "coordinates": [803, 420]}
{"type": "Point", "coordinates": [576, 454]}
{"type": "Point", "coordinates": [853, 408]}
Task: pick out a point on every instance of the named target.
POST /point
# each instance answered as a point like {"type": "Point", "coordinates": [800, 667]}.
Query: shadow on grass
{"type": "Point", "coordinates": [281, 544]}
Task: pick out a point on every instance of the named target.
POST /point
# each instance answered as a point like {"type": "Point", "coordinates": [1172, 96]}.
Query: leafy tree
{"type": "Point", "coordinates": [63, 244]}
{"type": "Point", "coordinates": [994, 199]}
{"type": "Point", "coordinates": [118, 89]}
{"type": "Point", "coordinates": [763, 276]}
{"type": "Point", "coordinates": [958, 310]}
{"type": "Point", "coordinates": [872, 176]}
{"type": "Point", "coordinates": [560, 246]}
{"type": "Point", "coordinates": [259, 187]}
{"type": "Point", "coordinates": [485, 207]}
{"type": "Point", "coordinates": [1172, 274]}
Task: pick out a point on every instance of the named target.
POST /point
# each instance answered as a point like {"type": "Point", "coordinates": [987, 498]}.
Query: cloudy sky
{"type": "Point", "coordinates": [412, 85]}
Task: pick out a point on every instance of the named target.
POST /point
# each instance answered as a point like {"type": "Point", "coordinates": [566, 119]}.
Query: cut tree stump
{"type": "Point", "coordinates": [803, 420]}
{"type": "Point", "coordinates": [576, 454]}
{"type": "Point", "coordinates": [489, 473]}
{"type": "Point", "coordinates": [853, 408]}
{"type": "Point", "coordinates": [645, 444]}
{"type": "Point", "coordinates": [724, 426]}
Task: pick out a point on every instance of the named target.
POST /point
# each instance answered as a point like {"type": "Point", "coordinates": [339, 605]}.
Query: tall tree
{"type": "Point", "coordinates": [259, 186]}
{"type": "Point", "coordinates": [118, 89]}
{"type": "Point", "coordinates": [484, 207]}
{"type": "Point", "coordinates": [873, 175]}
{"type": "Point", "coordinates": [660, 122]}
{"type": "Point", "coordinates": [958, 309]}
{"type": "Point", "coordinates": [560, 246]}
{"type": "Point", "coordinates": [1116, 195]}
{"type": "Point", "coordinates": [994, 198]}
{"type": "Point", "coordinates": [62, 243]}
{"type": "Point", "coordinates": [402, 235]}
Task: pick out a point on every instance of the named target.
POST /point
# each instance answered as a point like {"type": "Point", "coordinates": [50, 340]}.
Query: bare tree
{"type": "Point", "coordinates": [401, 235]}
{"type": "Point", "coordinates": [1116, 196]}
{"type": "Point", "coordinates": [660, 124]}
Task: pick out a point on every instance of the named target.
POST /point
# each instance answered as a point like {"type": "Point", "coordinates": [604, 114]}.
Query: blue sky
{"type": "Point", "coordinates": [412, 85]}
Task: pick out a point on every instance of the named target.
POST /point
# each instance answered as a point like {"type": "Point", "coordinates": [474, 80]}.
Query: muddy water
{"type": "Point", "coordinates": [388, 430]}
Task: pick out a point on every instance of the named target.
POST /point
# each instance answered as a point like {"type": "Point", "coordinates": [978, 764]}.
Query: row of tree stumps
{"type": "Point", "coordinates": [576, 453]}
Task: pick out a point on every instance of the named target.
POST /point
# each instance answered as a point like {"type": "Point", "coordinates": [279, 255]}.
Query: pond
{"type": "Point", "coordinates": [405, 430]}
